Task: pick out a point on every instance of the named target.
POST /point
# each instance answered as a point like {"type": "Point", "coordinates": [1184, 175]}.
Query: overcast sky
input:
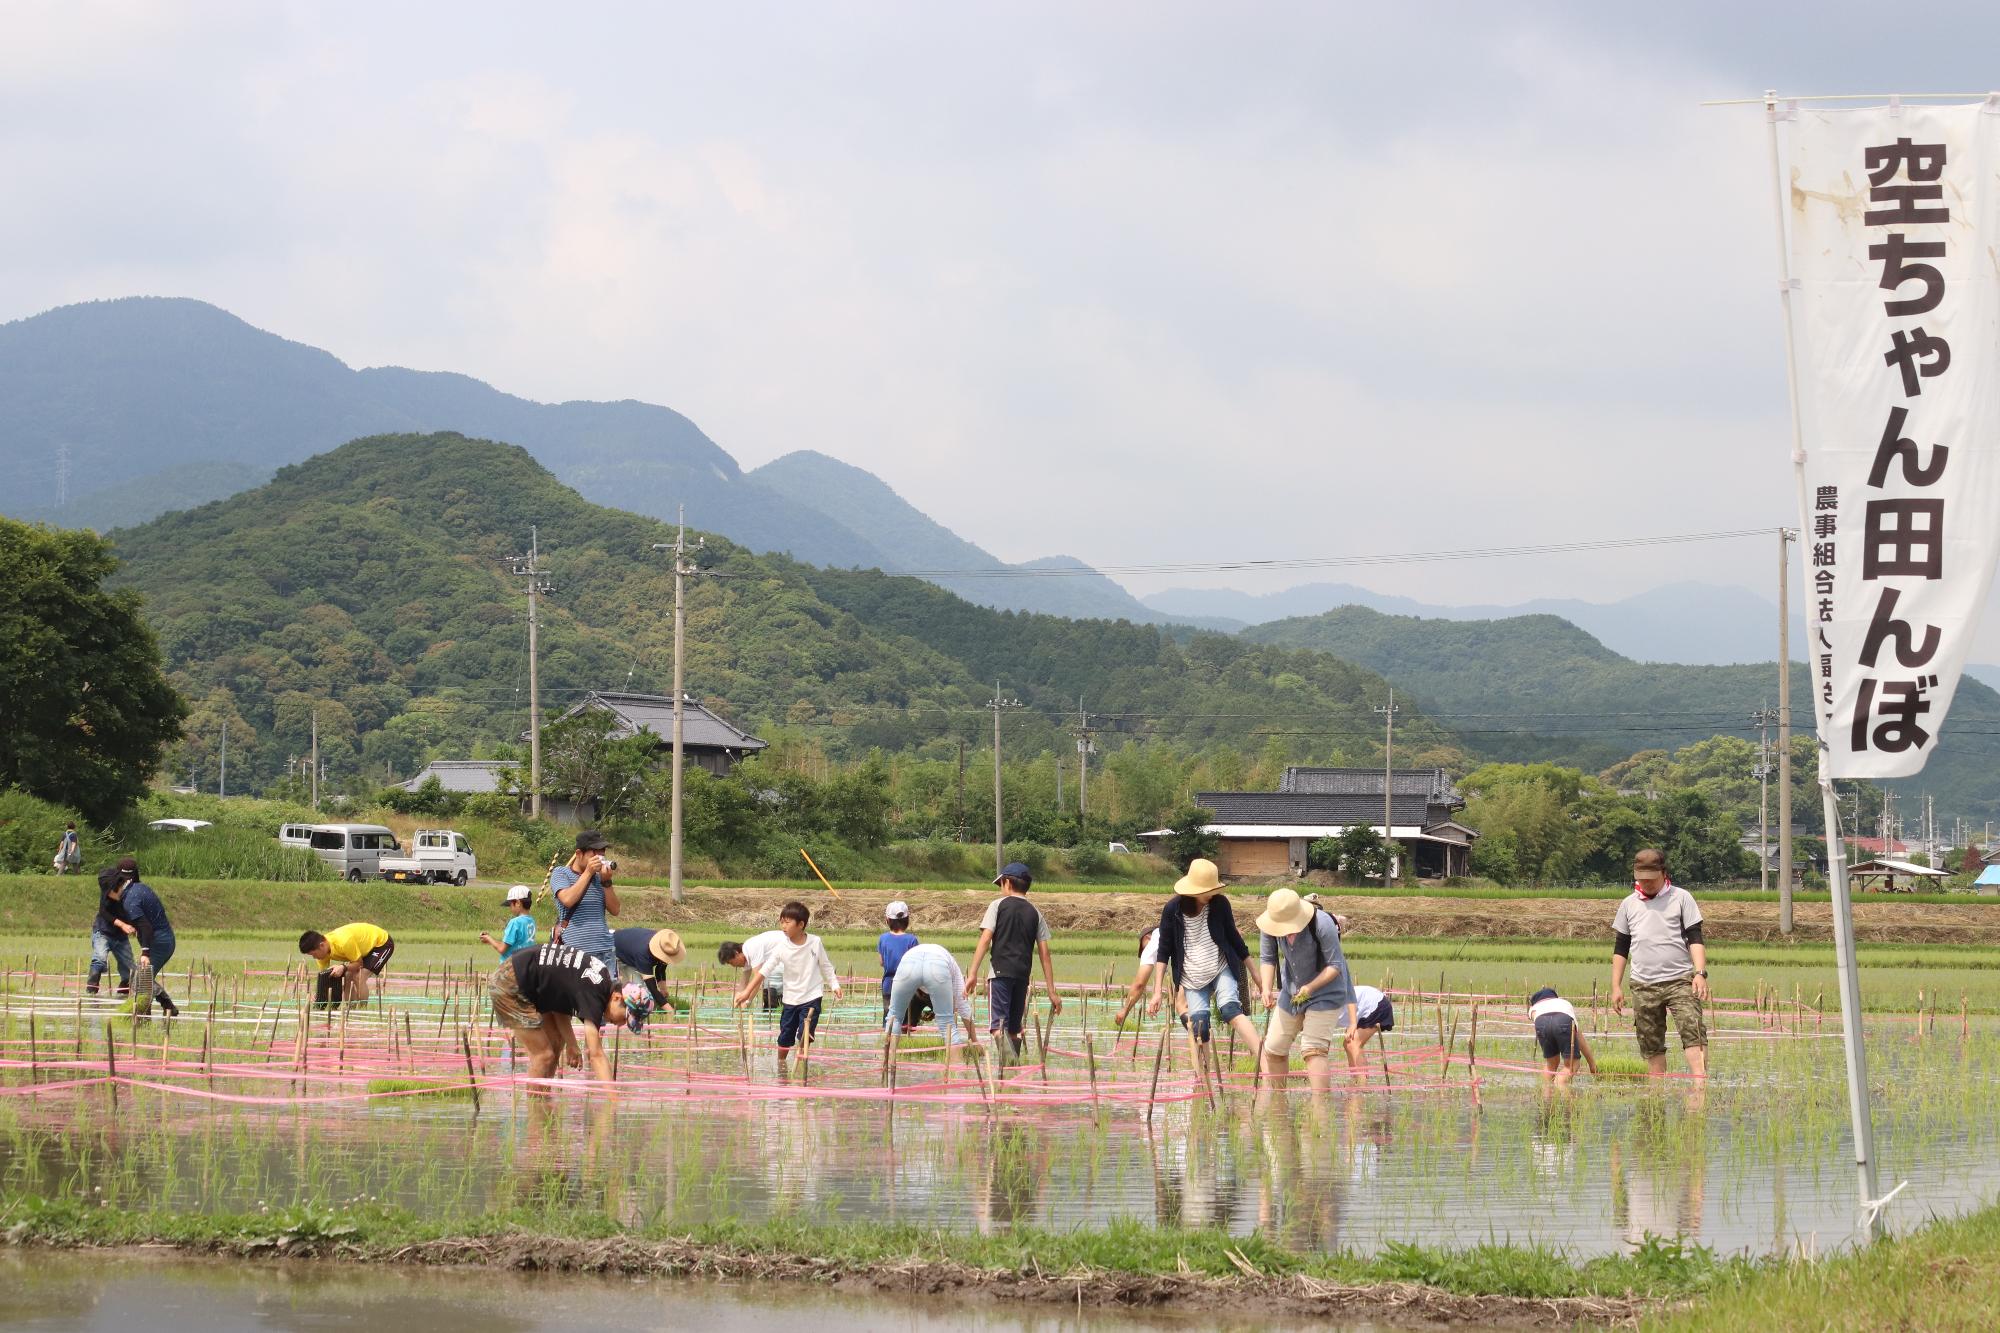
{"type": "Point", "coordinates": [1134, 282]}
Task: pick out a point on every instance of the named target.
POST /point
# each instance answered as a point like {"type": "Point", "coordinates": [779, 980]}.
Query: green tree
{"type": "Point", "coordinates": [1190, 838]}
{"type": "Point", "coordinates": [86, 713]}
{"type": "Point", "coordinates": [583, 762]}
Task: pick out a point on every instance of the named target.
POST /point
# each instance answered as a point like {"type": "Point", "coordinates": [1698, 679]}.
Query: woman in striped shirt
{"type": "Point", "coordinates": [1201, 946]}
{"type": "Point", "coordinates": [585, 896]}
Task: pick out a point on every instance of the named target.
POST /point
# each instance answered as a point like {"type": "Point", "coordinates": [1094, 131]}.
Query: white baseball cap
{"type": "Point", "coordinates": [520, 893]}
{"type": "Point", "coordinates": [895, 909]}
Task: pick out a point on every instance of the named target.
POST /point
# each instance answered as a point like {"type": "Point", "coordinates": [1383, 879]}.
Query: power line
{"type": "Point", "coordinates": [1335, 561]}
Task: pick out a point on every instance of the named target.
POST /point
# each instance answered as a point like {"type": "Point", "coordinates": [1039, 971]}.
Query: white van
{"type": "Point", "coordinates": [355, 850]}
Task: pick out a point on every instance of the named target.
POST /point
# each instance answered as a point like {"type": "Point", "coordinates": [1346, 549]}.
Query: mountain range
{"type": "Point", "coordinates": [371, 585]}
{"type": "Point", "coordinates": [152, 404]}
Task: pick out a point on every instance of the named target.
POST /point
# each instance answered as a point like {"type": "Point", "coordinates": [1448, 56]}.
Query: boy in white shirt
{"type": "Point", "coordinates": [1560, 1037]}
{"type": "Point", "coordinates": [809, 975]}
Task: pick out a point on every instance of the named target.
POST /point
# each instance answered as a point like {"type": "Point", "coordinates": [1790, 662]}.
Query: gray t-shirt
{"type": "Point", "coordinates": [1303, 957]}
{"type": "Point", "coordinates": [1658, 928]}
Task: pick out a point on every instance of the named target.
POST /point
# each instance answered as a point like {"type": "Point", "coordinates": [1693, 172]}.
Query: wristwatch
{"type": "Point", "coordinates": [1703, 974]}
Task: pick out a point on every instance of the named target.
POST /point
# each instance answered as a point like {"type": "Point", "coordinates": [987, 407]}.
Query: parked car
{"type": "Point", "coordinates": [355, 850]}
{"type": "Point", "coordinates": [437, 856]}
{"type": "Point", "coordinates": [180, 825]}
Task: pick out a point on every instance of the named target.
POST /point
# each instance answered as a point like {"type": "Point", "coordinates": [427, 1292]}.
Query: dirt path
{"type": "Point", "coordinates": [1903, 920]}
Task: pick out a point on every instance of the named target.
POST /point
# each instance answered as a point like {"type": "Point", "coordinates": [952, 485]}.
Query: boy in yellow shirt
{"type": "Point", "coordinates": [349, 959]}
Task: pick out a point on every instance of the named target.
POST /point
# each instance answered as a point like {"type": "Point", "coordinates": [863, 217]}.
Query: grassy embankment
{"type": "Point", "coordinates": [1944, 1276]}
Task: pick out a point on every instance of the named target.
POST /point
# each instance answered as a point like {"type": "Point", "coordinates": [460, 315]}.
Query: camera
{"type": "Point", "coordinates": [610, 864]}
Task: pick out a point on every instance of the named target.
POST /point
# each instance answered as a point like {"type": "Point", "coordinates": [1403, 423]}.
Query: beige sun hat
{"type": "Point", "coordinates": [666, 946]}
{"type": "Point", "coordinates": [1285, 913]}
{"type": "Point", "coordinates": [1202, 877]}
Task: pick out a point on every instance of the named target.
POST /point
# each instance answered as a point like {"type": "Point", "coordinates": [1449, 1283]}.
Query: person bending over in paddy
{"type": "Point", "coordinates": [538, 995]}
{"type": "Point", "coordinates": [928, 971]}
{"type": "Point", "coordinates": [649, 953]}
{"type": "Point", "coordinates": [1559, 1036]}
{"type": "Point", "coordinates": [1149, 962]}
{"type": "Point", "coordinates": [759, 954]}
{"type": "Point", "coordinates": [1014, 931]}
{"type": "Point", "coordinates": [1306, 986]}
{"type": "Point", "coordinates": [110, 938]}
{"type": "Point", "coordinates": [809, 975]}
{"type": "Point", "coordinates": [1374, 1013]}
{"type": "Point", "coordinates": [140, 908]}
{"type": "Point", "coordinates": [350, 959]}
{"type": "Point", "coordinates": [1656, 935]}
{"type": "Point", "coordinates": [1200, 946]}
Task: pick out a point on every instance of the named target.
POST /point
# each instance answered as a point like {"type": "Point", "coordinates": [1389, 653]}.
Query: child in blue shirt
{"type": "Point", "coordinates": [520, 932]}
{"type": "Point", "coordinates": [890, 948]}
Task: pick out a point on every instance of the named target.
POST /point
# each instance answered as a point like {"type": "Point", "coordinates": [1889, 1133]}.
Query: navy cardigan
{"type": "Point", "coordinates": [1221, 928]}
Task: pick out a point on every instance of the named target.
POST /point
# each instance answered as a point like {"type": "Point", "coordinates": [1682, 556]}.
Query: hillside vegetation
{"type": "Point", "coordinates": [372, 585]}
{"type": "Point", "coordinates": [1536, 688]}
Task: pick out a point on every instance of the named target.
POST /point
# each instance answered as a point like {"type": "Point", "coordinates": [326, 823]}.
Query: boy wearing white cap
{"type": "Point", "coordinates": [520, 932]}
{"type": "Point", "coordinates": [891, 947]}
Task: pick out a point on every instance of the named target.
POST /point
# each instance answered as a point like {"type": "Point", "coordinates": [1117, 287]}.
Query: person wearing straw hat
{"type": "Point", "coordinates": [1306, 984]}
{"type": "Point", "coordinates": [1199, 944]}
{"type": "Point", "coordinates": [649, 953]}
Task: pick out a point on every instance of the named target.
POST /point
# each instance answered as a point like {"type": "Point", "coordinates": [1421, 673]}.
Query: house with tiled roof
{"type": "Point", "coordinates": [708, 740]}
{"type": "Point", "coordinates": [1267, 834]}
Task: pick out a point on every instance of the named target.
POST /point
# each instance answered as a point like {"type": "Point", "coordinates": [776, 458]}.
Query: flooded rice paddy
{"type": "Point", "coordinates": [1447, 1138]}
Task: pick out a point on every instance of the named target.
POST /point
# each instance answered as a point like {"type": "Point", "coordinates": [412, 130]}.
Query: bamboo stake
{"type": "Point", "coordinates": [34, 1055]}
{"type": "Point", "coordinates": [472, 1075]}
{"type": "Point", "coordinates": [1042, 1045]}
{"type": "Point", "coordinates": [1090, 1058]}
{"type": "Point", "coordinates": [111, 1059]}
{"type": "Point", "coordinates": [1472, 1054]}
{"type": "Point", "coordinates": [1159, 1054]}
{"type": "Point", "coordinates": [979, 1068]}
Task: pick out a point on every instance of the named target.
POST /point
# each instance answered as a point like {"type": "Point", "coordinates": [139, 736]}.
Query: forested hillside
{"type": "Point", "coordinates": [1537, 688]}
{"type": "Point", "coordinates": [372, 584]}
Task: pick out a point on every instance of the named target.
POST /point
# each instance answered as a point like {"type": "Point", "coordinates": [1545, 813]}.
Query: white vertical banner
{"type": "Point", "coordinates": [1895, 260]}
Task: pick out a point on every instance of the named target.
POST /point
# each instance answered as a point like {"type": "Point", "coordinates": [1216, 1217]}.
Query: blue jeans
{"type": "Point", "coordinates": [938, 978]}
{"type": "Point", "coordinates": [1221, 994]}
{"type": "Point", "coordinates": [103, 948]}
{"type": "Point", "coordinates": [160, 952]}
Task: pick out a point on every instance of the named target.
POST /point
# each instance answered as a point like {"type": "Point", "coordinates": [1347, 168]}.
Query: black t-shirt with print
{"type": "Point", "coordinates": [559, 979]}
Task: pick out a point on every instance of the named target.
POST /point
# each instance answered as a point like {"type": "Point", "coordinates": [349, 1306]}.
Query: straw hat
{"type": "Point", "coordinates": [666, 946]}
{"type": "Point", "coordinates": [1285, 913]}
{"type": "Point", "coordinates": [1202, 877]}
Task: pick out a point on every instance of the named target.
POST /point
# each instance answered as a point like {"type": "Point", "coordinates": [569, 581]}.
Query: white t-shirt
{"type": "Point", "coordinates": [1365, 1000]}
{"type": "Point", "coordinates": [1201, 960]}
{"type": "Point", "coordinates": [808, 971]}
{"type": "Point", "coordinates": [1150, 955]}
{"type": "Point", "coordinates": [1555, 1004]}
{"type": "Point", "coordinates": [759, 952]}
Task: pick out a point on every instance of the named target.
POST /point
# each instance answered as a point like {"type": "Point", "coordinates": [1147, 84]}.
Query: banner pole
{"type": "Point", "coordinates": [1850, 1019]}
{"type": "Point", "coordinates": [1869, 1206]}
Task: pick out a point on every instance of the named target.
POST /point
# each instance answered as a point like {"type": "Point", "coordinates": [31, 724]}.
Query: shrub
{"type": "Point", "coordinates": [1090, 858]}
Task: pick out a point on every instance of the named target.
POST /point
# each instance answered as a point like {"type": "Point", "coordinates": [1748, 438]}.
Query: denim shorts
{"type": "Point", "coordinates": [1009, 1005]}
{"type": "Point", "coordinates": [1556, 1035]}
{"type": "Point", "coordinates": [797, 1019]}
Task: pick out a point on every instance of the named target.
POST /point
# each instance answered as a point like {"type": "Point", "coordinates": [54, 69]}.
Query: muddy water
{"type": "Point", "coordinates": [130, 1292]}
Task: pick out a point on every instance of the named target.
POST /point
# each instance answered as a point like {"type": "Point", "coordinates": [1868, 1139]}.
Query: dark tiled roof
{"type": "Point", "coordinates": [469, 776]}
{"type": "Point", "coordinates": [700, 729]}
{"type": "Point", "coordinates": [1432, 783]}
{"type": "Point", "coordinates": [1320, 809]}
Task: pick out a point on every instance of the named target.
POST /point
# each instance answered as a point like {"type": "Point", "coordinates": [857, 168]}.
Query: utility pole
{"type": "Point", "coordinates": [1084, 749]}
{"type": "Point", "coordinates": [222, 774]}
{"type": "Point", "coordinates": [681, 570]}
{"type": "Point", "coordinates": [1388, 713]}
{"type": "Point", "coordinates": [315, 759]}
{"type": "Point", "coordinates": [1762, 719]}
{"type": "Point", "coordinates": [997, 703]}
{"type": "Point", "coordinates": [1786, 536]}
{"type": "Point", "coordinates": [530, 568]}
{"type": "Point", "coordinates": [961, 789]}
{"type": "Point", "coordinates": [1059, 800]}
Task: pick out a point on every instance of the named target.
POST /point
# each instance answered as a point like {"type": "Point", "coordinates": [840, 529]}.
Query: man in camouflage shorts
{"type": "Point", "coordinates": [1657, 935]}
